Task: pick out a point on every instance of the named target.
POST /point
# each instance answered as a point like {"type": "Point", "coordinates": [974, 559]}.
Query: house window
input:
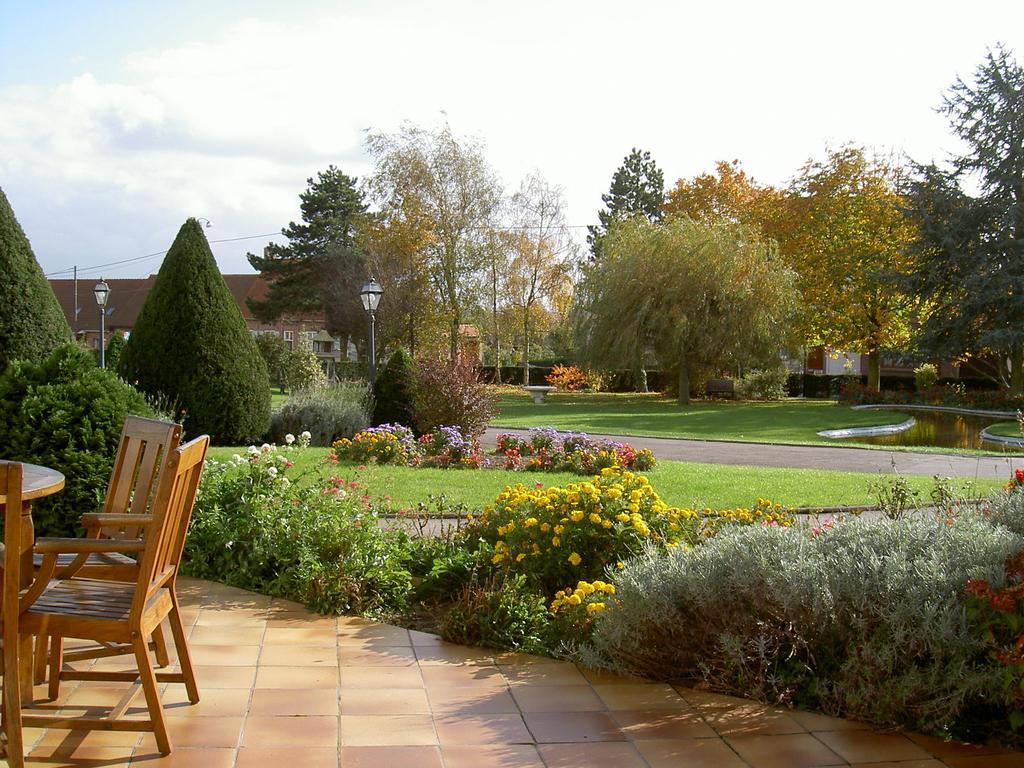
{"type": "Point", "coordinates": [287, 335]}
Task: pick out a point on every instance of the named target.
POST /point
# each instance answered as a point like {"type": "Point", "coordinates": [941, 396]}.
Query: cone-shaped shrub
{"type": "Point", "coordinates": [191, 348]}
{"type": "Point", "coordinates": [32, 324]}
{"type": "Point", "coordinates": [393, 393]}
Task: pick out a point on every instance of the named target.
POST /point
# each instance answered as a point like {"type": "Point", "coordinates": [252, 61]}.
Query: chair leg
{"type": "Point", "coordinates": [156, 710]}
{"type": "Point", "coordinates": [56, 665]}
{"type": "Point", "coordinates": [12, 707]}
{"type": "Point", "coordinates": [41, 656]}
{"type": "Point", "coordinates": [184, 658]}
{"type": "Point", "coordinates": [163, 658]}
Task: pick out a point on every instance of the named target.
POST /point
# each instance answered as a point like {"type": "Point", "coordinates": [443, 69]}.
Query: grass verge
{"type": "Point", "coordinates": [679, 483]}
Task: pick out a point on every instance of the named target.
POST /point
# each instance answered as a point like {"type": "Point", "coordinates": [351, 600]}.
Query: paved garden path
{"type": "Point", "coordinates": [812, 456]}
{"type": "Point", "coordinates": [285, 687]}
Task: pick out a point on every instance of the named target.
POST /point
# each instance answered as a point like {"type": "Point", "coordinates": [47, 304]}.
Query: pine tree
{"type": "Point", "coordinates": [638, 188]}
{"type": "Point", "coordinates": [32, 324]}
{"type": "Point", "coordinates": [323, 265]}
{"type": "Point", "coordinates": [191, 347]}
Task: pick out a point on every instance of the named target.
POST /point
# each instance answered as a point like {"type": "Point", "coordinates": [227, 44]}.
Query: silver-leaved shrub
{"type": "Point", "coordinates": [863, 618]}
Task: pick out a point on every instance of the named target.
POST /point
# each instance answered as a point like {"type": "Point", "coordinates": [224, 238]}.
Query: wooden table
{"type": "Point", "coordinates": [37, 483]}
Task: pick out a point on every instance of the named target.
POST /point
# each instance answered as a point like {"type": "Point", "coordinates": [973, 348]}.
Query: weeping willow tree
{"type": "Point", "coordinates": [698, 296]}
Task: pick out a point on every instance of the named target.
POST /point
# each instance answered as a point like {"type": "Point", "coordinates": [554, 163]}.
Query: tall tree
{"type": "Point", "coordinates": [32, 324]}
{"type": "Point", "coordinates": [456, 193]}
{"type": "Point", "coordinates": [846, 236]}
{"type": "Point", "coordinates": [707, 297]}
{"type": "Point", "coordinates": [637, 189]}
{"type": "Point", "coordinates": [727, 195]}
{"type": "Point", "coordinates": [190, 346]}
{"type": "Point", "coordinates": [323, 265]}
{"type": "Point", "coordinates": [969, 259]}
{"type": "Point", "coordinates": [540, 249]}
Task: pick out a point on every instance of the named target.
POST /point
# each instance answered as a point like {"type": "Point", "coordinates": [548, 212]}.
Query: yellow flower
{"type": "Point", "coordinates": [520, 557]}
{"type": "Point", "coordinates": [594, 517]}
{"type": "Point", "coordinates": [573, 600]}
{"type": "Point", "coordinates": [530, 522]}
{"type": "Point", "coordinates": [556, 541]}
{"type": "Point", "coordinates": [622, 517]}
{"type": "Point", "coordinates": [595, 608]}
{"type": "Point", "coordinates": [559, 529]}
{"type": "Point", "coordinates": [576, 515]}
{"type": "Point", "coordinates": [497, 558]}
{"type": "Point", "coordinates": [545, 527]}
{"type": "Point", "coordinates": [575, 559]}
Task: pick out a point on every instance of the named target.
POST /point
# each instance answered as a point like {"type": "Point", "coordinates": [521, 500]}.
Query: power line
{"type": "Point", "coordinates": [136, 259]}
{"type": "Point", "coordinates": [95, 267]}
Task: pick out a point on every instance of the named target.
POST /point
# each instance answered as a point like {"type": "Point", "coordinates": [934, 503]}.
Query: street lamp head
{"type": "Point", "coordinates": [370, 294]}
{"type": "Point", "coordinates": [101, 291]}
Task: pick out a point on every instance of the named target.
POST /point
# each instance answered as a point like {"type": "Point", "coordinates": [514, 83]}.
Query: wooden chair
{"type": "Point", "coordinates": [118, 611]}
{"type": "Point", "coordinates": [144, 448]}
{"type": "Point", "coordinates": [10, 488]}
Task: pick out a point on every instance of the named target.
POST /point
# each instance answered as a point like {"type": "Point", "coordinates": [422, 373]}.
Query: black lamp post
{"type": "Point", "coordinates": [370, 294]}
{"type": "Point", "coordinates": [102, 292]}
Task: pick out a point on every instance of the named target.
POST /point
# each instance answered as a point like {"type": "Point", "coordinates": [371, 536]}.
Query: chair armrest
{"type": "Point", "coordinates": [75, 546]}
{"type": "Point", "coordinates": [104, 519]}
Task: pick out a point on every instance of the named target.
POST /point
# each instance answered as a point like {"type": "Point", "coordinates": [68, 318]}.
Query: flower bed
{"type": "Point", "coordinates": [542, 450]}
{"type": "Point", "coordinates": [547, 450]}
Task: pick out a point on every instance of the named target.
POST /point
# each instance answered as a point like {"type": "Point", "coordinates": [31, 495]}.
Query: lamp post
{"type": "Point", "coordinates": [370, 294]}
{"type": "Point", "coordinates": [102, 292]}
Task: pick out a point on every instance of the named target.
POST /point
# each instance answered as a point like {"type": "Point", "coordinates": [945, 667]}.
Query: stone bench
{"type": "Point", "coordinates": [538, 393]}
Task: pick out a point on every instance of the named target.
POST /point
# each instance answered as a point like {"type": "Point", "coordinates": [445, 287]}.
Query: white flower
{"type": "Point", "coordinates": [266, 448]}
{"type": "Point", "coordinates": [285, 482]}
{"type": "Point", "coordinates": [237, 459]}
{"type": "Point", "coordinates": [289, 438]}
{"type": "Point", "coordinates": [282, 459]}
{"type": "Point", "coordinates": [272, 471]}
{"type": "Point", "coordinates": [253, 450]}
{"type": "Point", "coordinates": [306, 435]}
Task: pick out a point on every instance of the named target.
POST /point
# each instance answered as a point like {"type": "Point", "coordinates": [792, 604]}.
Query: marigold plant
{"type": "Point", "coordinates": [559, 536]}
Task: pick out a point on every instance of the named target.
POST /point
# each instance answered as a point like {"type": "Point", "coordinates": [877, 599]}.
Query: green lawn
{"type": "Point", "coordinates": [679, 483]}
{"type": "Point", "coordinates": [277, 399]}
{"type": "Point", "coordinates": [1006, 428]}
{"type": "Point", "coordinates": [793, 421]}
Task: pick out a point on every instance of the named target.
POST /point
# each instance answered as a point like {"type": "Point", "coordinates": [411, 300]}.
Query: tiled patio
{"type": "Point", "coordinates": [283, 687]}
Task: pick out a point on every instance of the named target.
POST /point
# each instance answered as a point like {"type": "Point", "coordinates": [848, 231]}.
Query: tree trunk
{"type": "Point", "coordinates": [526, 348]}
{"type": "Point", "coordinates": [1017, 370]}
{"type": "Point", "coordinates": [684, 382]}
{"type": "Point", "coordinates": [453, 339]}
{"type": "Point", "coordinates": [875, 370]}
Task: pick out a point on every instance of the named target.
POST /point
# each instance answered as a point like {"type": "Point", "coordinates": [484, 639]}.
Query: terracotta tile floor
{"type": "Point", "coordinates": [285, 688]}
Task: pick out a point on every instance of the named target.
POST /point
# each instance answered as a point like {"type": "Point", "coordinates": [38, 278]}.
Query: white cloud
{"type": "Point", "coordinates": [230, 128]}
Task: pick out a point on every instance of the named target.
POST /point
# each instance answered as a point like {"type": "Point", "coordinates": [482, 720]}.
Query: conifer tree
{"type": "Point", "coordinates": [190, 346]}
{"type": "Point", "coordinates": [32, 324]}
{"type": "Point", "coordinates": [394, 392]}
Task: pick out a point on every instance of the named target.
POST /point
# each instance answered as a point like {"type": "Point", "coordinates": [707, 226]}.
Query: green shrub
{"type": "Point", "coordinates": [393, 394]}
{"type": "Point", "coordinates": [865, 619]}
{"type": "Point", "coordinates": [925, 376]}
{"type": "Point", "coordinates": [303, 371]}
{"type": "Point", "coordinates": [451, 394]}
{"type": "Point", "coordinates": [190, 345]}
{"type": "Point", "coordinates": [767, 384]}
{"type": "Point", "coordinates": [254, 528]}
{"type": "Point", "coordinates": [65, 413]}
{"type": "Point", "coordinates": [32, 324]}
{"type": "Point", "coordinates": [328, 414]}
{"type": "Point", "coordinates": [112, 354]}
{"type": "Point", "coordinates": [498, 613]}
{"type": "Point", "coordinates": [274, 351]}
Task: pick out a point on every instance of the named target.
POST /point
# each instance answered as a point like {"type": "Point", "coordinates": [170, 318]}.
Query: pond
{"type": "Point", "coordinates": [945, 430]}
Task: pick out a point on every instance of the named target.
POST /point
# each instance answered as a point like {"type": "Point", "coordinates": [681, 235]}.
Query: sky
{"type": "Point", "coordinates": [119, 120]}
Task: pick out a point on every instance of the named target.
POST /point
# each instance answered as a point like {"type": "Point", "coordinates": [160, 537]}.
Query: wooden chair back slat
{"type": "Point", "coordinates": [143, 448]}
{"type": "Point", "coordinates": [172, 511]}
